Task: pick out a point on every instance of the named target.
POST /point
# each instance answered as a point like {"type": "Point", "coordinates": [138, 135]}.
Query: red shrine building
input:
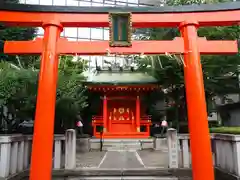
{"type": "Point", "coordinates": [123, 115]}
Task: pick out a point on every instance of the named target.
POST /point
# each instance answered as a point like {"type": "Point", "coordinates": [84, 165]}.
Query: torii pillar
{"type": "Point", "coordinates": [43, 137]}
{"type": "Point", "coordinates": [202, 162]}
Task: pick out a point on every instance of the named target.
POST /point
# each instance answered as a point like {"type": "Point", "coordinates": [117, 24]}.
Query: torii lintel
{"type": "Point", "coordinates": [175, 46]}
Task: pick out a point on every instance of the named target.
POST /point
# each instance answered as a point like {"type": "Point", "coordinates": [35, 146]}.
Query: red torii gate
{"type": "Point", "coordinates": [188, 19]}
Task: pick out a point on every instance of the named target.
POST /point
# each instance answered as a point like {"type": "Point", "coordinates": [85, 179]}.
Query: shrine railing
{"type": "Point", "coordinates": [16, 151]}
{"type": "Point", "coordinates": [143, 118]}
{"type": "Point", "coordinates": [146, 118]}
{"type": "Point", "coordinates": [97, 123]}
{"type": "Point", "coordinates": [225, 152]}
{"type": "Point", "coordinates": [96, 118]}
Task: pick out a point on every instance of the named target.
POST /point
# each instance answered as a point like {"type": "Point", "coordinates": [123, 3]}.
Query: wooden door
{"type": "Point", "coordinates": [121, 116]}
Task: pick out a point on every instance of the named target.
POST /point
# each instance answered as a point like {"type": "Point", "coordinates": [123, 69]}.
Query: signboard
{"type": "Point", "coordinates": [120, 25]}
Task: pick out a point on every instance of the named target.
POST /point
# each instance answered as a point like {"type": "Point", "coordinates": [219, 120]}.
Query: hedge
{"type": "Point", "coordinates": [225, 130]}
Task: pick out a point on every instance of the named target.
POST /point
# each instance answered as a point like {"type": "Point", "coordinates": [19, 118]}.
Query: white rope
{"type": "Point", "coordinates": [160, 63]}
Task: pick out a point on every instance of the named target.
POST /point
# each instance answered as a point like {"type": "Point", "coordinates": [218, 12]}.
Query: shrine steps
{"type": "Point", "coordinates": [122, 144]}
{"type": "Point", "coordinates": [123, 174]}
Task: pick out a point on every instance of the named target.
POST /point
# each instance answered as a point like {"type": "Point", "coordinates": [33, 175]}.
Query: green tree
{"type": "Point", "coordinates": [15, 33]}
{"type": "Point", "coordinates": [71, 94]}
{"type": "Point", "coordinates": [18, 92]}
{"type": "Point", "coordinates": [71, 99]}
{"type": "Point", "coordinates": [18, 88]}
{"type": "Point", "coordinates": [219, 71]}
{"type": "Point", "coordinates": [70, 64]}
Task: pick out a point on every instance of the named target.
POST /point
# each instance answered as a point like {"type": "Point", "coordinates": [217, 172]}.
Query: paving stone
{"type": "Point", "coordinates": [122, 159]}
{"type": "Point", "coordinates": [89, 159]}
{"type": "Point", "coordinates": [154, 158]}
{"type": "Point", "coordinates": [122, 178]}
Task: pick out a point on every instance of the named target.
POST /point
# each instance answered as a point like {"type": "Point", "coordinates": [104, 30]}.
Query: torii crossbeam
{"type": "Point", "coordinates": [175, 46]}
{"type": "Point", "coordinates": [186, 18]}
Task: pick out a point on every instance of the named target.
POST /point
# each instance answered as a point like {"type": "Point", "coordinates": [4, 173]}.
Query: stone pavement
{"type": "Point", "coordinates": [154, 159]}
{"type": "Point", "coordinates": [90, 159]}
{"type": "Point", "coordinates": [123, 159]}
{"type": "Point", "coordinates": [122, 165]}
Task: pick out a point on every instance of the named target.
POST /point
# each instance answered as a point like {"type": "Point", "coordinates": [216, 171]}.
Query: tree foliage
{"type": "Point", "coordinates": [220, 72]}
{"type": "Point", "coordinates": [18, 92]}
{"type": "Point", "coordinates": [19, 77]}
{"type": "Point", "coordinates": [9, 33]}
{"type": "Point", "coordinates": [71, 95]}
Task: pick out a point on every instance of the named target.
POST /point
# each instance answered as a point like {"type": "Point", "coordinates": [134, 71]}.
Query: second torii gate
{"type": "Point", "coordinates": [53, 20]}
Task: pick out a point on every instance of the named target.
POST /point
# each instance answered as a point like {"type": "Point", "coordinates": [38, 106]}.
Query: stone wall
{"type": "Point", "coordinates": [225, 153]}
{"type": "Point", "coordinates": [15, 152]}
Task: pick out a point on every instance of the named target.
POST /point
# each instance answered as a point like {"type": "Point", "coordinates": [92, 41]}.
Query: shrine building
{"type": "Point", "coordinates": [123, 115]}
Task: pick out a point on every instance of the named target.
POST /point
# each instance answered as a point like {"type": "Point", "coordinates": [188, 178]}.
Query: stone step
{"type": "Point", "coordinates": [123, 173]}
{"type": "Point", "coordinates": [120, 178]}
{"type": "Point", "coordinates": [121, 148]}
{"type": "Point", "coordinates": [135, 144]}
{"type": "Point", "coordinates": [121, 145]}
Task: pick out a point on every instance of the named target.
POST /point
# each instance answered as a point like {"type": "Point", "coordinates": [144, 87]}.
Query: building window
{"type": "Point", "coordinates": [71, 32]}
{"type": "Point", "coordinates": [46, 2]}
{"type": "Point", "coordinates": [84, 33]}
{"type": "Point", "coordinates": [82, 3]}
{"type": "Point", "coordinates": [72, 3]}
{"type": "Point", "coordinates": [96, 33]}
{"type": "Point", "coordinates": [59, 2]}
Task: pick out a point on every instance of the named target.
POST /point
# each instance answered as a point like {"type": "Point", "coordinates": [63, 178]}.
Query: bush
{"type": "Point", "coordinates": [213, 124]}
{"type": "Point", "coordinates": [226, 130]}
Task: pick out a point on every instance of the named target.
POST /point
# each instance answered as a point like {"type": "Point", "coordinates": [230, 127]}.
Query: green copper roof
{"type": "Point", "coordinates": [117, 78]}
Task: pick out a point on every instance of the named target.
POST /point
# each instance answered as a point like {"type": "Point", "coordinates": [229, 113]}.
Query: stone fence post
{"type": "Point", "coordinates": [160, 143]}
{"type": "Point", "coordinates": [14, 154]}
{"type": "Point", "coordinates": [172, 141]}
{"type": "Point", "coordinates": [70, 149]}
{"type": "Point", "coordinates": [185, 150]}
{"type": "Point", "coordinates": [227, 155]}
{"type": "Point", "coordinates": [58, 141]}
{"type": "Point", "coordinates": [5, 153]}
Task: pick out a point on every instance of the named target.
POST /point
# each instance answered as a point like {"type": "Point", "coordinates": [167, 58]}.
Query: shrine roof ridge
{"type": "Point", "coordinates": [103, 10]}
{"type": "Point", "coordinates": [120, 78]}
